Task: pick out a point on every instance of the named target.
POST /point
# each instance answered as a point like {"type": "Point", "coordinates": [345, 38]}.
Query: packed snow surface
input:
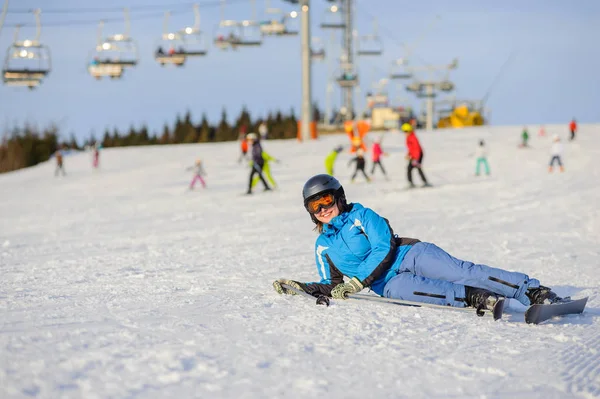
{"type": "Point", "coordinates": [122, 283]}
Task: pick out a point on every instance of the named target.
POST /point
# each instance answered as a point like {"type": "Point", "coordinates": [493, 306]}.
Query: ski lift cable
{"type": "Point", "coordinates": [150, 15]}
{"type": "Point", "coordinates": [3, 15]}
{"type": "Point", "coordinates": [503, 69]}
{"type": "Point", "coordinates": [91, 10]}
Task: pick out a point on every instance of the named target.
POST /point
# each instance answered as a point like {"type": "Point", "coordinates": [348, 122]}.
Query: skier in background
{"type": "Point", "coordinates": [377, 152]}
{"type": "Point", "coordinates": [243, 143]}
{"type": "Point", "coordinates": [198, 173]}
{"type": "Point", "coordinates": [573, 128]}
{"type": "Point", "coordinates": [257, 162]}
{"type": "Point", "coordinates": [330, 159]}
{"type": "Point", "coordinates": [524, 138]}
{"type": "Point", "coordinates": [542, 131]}
{"type": "Point", "coordinates": [414, 156]}
{"type": "Point", "coordinates": [59, 163]}
{"type": "Point", "coordinates": [266, 170]}
{"type": "Point", "coordinates": [263, 130]}
{"type": "Point", "coordinates": [356, 242]}
{"type": "Point", "coordinates": [360, 165]}
{"type": "Point", "coordinates": [481, 154]}
{"type": "Point", "coordinates": [96, 155]}
{"type": "Point", "coordinates": [556, 153]}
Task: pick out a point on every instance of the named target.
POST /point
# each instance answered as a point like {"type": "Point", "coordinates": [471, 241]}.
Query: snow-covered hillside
{"type": "Point", "coordinates": [121, 283]}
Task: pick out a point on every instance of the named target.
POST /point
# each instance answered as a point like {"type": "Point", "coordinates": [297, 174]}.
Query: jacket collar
{"type": "Point", "coordinates": [339, 221]}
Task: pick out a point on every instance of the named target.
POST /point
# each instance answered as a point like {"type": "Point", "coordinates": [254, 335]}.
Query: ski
{"type": "Point", "coordinates": [496, 312]}
{"type": "Point", "coordinates": [537, 314]}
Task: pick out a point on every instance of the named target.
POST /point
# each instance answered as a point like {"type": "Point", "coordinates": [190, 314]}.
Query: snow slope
{"type": "Point", "coordinates": [120, 283]}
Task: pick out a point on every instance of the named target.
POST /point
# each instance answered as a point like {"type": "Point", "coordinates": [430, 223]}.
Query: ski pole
{"type": "Point", "coordinates": [403, 302]}
{"type": "Point", "coordinates": [321, 299]}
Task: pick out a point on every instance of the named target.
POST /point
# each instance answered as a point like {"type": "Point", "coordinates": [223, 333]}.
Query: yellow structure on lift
{"type": "Point", "coordinates": [462, 115]}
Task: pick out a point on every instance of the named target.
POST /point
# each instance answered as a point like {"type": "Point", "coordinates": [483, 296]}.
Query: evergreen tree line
{"type": "Point", "coordinates": [28, 146]}
{"type": "Point", "coordinates": [185, 131]}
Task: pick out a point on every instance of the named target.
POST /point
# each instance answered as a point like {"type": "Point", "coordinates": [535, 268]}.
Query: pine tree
{"type": "Point", "coordinates": [204, 129]}
{"type": "Point", "coordinates": [165, 138]}
{"type": "Point", "coordinates": [223, 131]}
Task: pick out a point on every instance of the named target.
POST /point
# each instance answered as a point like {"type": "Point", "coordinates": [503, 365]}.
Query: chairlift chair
{"type": "Point", "coordinates": [99, 71]}
{"type": "Point", "coordinates": [347, 79]}
{"type": "Point", "coordinates": [398, 71]}
{"type": "Point", "coordinates": [193, 38]}
{"type": "Point", "coordinates": [226, 35]}
{"type": "Point", "coordinates": [250, 35]}
{"type": "Point", "coordinates": [371, 44]}
{"type": "Point", "coordinates": [333, 19]}
{"type": "Point", "coordinates": [317, 50]}
{"type": "Point", "coordinates": [446, 86]}
{"type": "Point", "coordinates": [27, 62]}
{"type": "Point", "coordinates": [119, 49]}
{"type": "Point", "coordinates": [317, 54]}
{"type": "Point", "coordinates": [169, 48]}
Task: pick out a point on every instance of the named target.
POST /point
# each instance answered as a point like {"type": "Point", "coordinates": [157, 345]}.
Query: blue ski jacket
{"type": "Point", "coordinates": [358, 243]}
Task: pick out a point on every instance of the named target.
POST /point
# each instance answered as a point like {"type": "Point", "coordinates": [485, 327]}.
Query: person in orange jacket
{"type": "Point", "coordinates": [573, 128]}
{"type": "Point", "coordinates": [243, 143]}
{"type": "Point", "coordinates": [414, 156]}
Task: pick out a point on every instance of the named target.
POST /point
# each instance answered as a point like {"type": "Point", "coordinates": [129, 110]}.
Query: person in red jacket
{"type": "Point", "coordinates": [573, 128]}
{"type": "Point", "coordinates": [414, 156]}
{"type": "Point", "coordinates": [377, 153]}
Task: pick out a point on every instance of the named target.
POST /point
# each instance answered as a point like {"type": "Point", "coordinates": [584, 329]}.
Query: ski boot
{"type": "Point", "coordinates": [543, 296]}
{"type": "Point", "coordinates": [480, 299]}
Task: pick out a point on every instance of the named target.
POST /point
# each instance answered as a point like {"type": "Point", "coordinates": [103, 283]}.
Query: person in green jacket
{"type": "Point", "coordinates": [266, 170]}
{"type": "Point", "coordinates": [330, 159]}
{"type": "Point", "coordinates": [524, 137]}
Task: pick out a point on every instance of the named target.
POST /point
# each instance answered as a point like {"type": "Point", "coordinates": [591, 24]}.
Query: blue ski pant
{"type": "Point", "coordinates": [429, 274]}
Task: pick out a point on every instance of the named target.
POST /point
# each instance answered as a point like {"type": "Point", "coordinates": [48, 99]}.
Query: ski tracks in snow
{"type": "Point", "coordinates": [580, 363]}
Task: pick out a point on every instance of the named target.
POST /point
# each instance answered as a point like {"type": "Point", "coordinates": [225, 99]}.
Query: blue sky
{"type": "Point", "coordinates": [552, 77]}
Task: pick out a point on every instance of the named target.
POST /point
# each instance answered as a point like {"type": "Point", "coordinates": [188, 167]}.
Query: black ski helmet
{"type": "Point", "coordinates": [319, 185]}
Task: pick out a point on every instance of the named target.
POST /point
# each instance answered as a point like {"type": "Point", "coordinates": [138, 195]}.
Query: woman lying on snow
{"type": "Point", "coordinates": [356, 242]}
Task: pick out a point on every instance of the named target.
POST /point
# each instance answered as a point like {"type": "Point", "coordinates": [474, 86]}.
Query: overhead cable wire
{"type": "Point", "coordinates": [89, 10]}
{"type": "Point", "coordinates": [181, 9]}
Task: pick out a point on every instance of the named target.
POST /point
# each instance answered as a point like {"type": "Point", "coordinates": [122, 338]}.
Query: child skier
{"type": "Point", "coordinates": [266, 170]}
{"type": "Point", "coordinates": [481, 154]}
{"type": "Point", "coordinates": [360, 165]}
{"type": "Point", "coordinates": [414, 156]}
{"type": "Point", "coordinates": [556, 152]}
{"type": "Point", "coordinates": [243, 143]}
{"type": "Point", "coordinates": [96, 156]}
{"type": "Point", "coordinates": [330, 159]}
{"type": "Point", "coordinates": [524, 137]}
{"type": "Point", "coordinates": [377, 153]}
{"type": "Point", "coordinates": [573, 128]}
{"type": "Point", "coordinates": [198, 173]}
{"type": "Point", "coordinates": [59, 163]}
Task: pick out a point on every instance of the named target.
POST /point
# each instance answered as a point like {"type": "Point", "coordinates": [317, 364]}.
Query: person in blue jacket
{"type": "Point", "coordinates": [356, 242]}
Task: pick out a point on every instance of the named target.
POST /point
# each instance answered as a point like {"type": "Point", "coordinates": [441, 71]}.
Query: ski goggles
{"type": "Point", "coordinates": [325, 201]}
